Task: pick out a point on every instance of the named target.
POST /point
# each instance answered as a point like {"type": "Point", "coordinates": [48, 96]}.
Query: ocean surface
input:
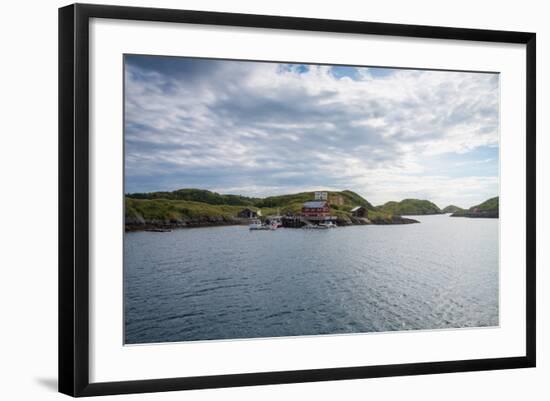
{"type": "Point", "coordinates": [229, 282]}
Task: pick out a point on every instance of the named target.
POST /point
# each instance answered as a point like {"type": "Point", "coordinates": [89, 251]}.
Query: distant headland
{"type": "Point", "coordinates": [487, 209]}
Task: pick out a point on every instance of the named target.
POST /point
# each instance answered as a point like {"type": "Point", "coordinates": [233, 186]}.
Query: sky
{"type": "Point", "coordinates": [265, 128]}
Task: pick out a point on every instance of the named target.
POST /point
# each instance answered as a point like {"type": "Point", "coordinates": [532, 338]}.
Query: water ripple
{"type": "Point", "coordinates": [228, 282]}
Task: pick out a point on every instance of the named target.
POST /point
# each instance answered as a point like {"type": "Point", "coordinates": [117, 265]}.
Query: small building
{"type": "Point", "coordinates": [316, 209]}
{"type": "Point", "coordinates": [249, 213]}
{"type": "Point", "coordinates": [321, 195]}
{"type": "Point", "coordinates": [359, 211]}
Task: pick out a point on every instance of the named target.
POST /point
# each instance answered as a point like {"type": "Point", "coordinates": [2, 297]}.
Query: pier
{"type": "Point", "coordinates": [300, 221]}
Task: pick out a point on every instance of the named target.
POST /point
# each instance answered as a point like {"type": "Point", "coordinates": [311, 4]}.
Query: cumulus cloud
{"type": "Point", "coordinates": [268, 128]}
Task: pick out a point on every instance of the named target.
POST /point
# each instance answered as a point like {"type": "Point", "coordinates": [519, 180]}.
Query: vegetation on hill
{"type": "Point", "coordinates": [451, 209]}
{"type": "Point", "coordinates": [354, 199]}
{"type": "Point", "coordinates": [201, 207]}
{"type": "Point", "coordinates": [293, 202]}
{"type": "Point", "coordinates": [489, 208]}
{"type": "Point", "coordinates": [213, 198]}
{"type": "Point", "coordinates": [410, 207]}
{"type": "Point", "coordinates": [176, 210]}
{"type": "Point", "coordinates": [197, 195]}
{"type": "Point", "coordinates": [488, 205]}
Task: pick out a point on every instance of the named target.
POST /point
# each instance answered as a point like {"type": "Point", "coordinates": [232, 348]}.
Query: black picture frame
{"type": "Point", "coordinates": [74, 198]}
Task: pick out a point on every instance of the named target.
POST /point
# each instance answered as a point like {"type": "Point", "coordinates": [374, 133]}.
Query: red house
{"type": "Point", "coordinates": [316, 209]}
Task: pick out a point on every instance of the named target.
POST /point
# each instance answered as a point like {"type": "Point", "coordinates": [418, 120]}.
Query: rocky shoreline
{"type": "Point", "coordinates": [396, 220]}
{"type": "Point", "coordinates": [493, 214]}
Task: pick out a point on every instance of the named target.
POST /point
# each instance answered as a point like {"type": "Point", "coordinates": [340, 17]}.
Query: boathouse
{"type": "Point", "coordinates": [315, 209]}
{"type": "Point", "coordinates": [359, 211]}
{"type": "Point", "coordinates": [249, 213]}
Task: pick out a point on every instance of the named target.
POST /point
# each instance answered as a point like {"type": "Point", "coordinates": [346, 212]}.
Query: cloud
{"type": "Point", "coordinates": [267, 128]}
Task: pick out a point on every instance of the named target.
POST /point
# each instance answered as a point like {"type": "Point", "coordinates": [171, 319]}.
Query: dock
{"type": "Point", "coordinates": [298, 221]}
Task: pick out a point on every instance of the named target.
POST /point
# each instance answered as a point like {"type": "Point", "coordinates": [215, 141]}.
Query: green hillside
{"type": "Point", "coordinates": [287, 203]}
{"type": "Point", "coordinates": [410, 207]}
{"type": "Point", "coordinates": [197, 195]}
{"type": "Point", "coordinates": [176, 210]}
{"type": "Point", "coordinates": [451, 209]}
{"type": "Point", "coordinates": [350, 199]}
{"type": "Point", "coordinates": [489, 208]}
{"type": "Point", "coordinates": [488, 205]}
{"type": "Point", "coordinates": [198, 206]}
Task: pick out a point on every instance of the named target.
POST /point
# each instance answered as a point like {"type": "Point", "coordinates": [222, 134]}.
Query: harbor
{"type": "Point", "coordinates": [315, 215]}
{"type": "Point", "coordinates": [308, 210]}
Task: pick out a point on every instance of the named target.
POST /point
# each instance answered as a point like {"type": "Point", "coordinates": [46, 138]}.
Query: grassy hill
{"type": "Point", "coordinates": [488, 205]}
{"type": "Point", "coordinates": [451, 209]}
{"type": "Point", "coordinates": [214, 198]}
{"type": "Point", "coordinates": [489, 208]}
{"type": "Point", "coordinates": [293, 202]}
{"type": "Point", "coordinates": [202, 207]}
{"type": "Point", "coordinates": [410, 207]}
{"type": "Point", "coordinates": [197, 195]}
{"type": "Point", "coordinates": [166, 210]}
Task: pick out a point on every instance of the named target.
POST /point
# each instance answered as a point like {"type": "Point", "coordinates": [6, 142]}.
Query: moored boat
{"type": "Point", "coordinates": [328, 224]}
{"type": "Point", "coordinates": [257, 225]}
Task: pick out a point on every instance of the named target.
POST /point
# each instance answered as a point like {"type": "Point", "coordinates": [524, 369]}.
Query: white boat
{"type": "Point", "coordinates": [274, 220]}
{"type": "Point", "coordinates": [277, 222]}
{"type": "Point", "coordinates": [257, 225]}
{"type": "Point", "coordinates": [328, 224]}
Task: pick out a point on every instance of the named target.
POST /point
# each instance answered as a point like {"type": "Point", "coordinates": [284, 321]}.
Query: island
{"type": "Point", "coordinates": [190, 207]}
{"type": "Point", "coordinates": [410, 207]}
{"type": "Point", "coordinates": [487, 209]}
{"type": "Point", "coordinates": [451, 209]}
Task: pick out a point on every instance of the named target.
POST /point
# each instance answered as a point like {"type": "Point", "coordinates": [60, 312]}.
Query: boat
{"type": "Point", "coordinates": [328, 224]}
{"type": "Point", "coordinates": [257, 225]}
{"type": "Point", "coordinates": [274, 220]}
{"type": "Point", "coordinates": [315, 227]}
{"type": "Point", "coordinates": [277, 222]}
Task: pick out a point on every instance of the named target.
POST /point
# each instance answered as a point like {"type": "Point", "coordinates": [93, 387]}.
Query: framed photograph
{"type": "Point", "coordinates": [251, 199]}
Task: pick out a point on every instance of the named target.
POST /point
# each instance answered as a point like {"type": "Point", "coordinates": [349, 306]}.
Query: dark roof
{"type": "Point", "coordinates": [315, 204]}
{"type": "Point", "coordinates": [356, 208]}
